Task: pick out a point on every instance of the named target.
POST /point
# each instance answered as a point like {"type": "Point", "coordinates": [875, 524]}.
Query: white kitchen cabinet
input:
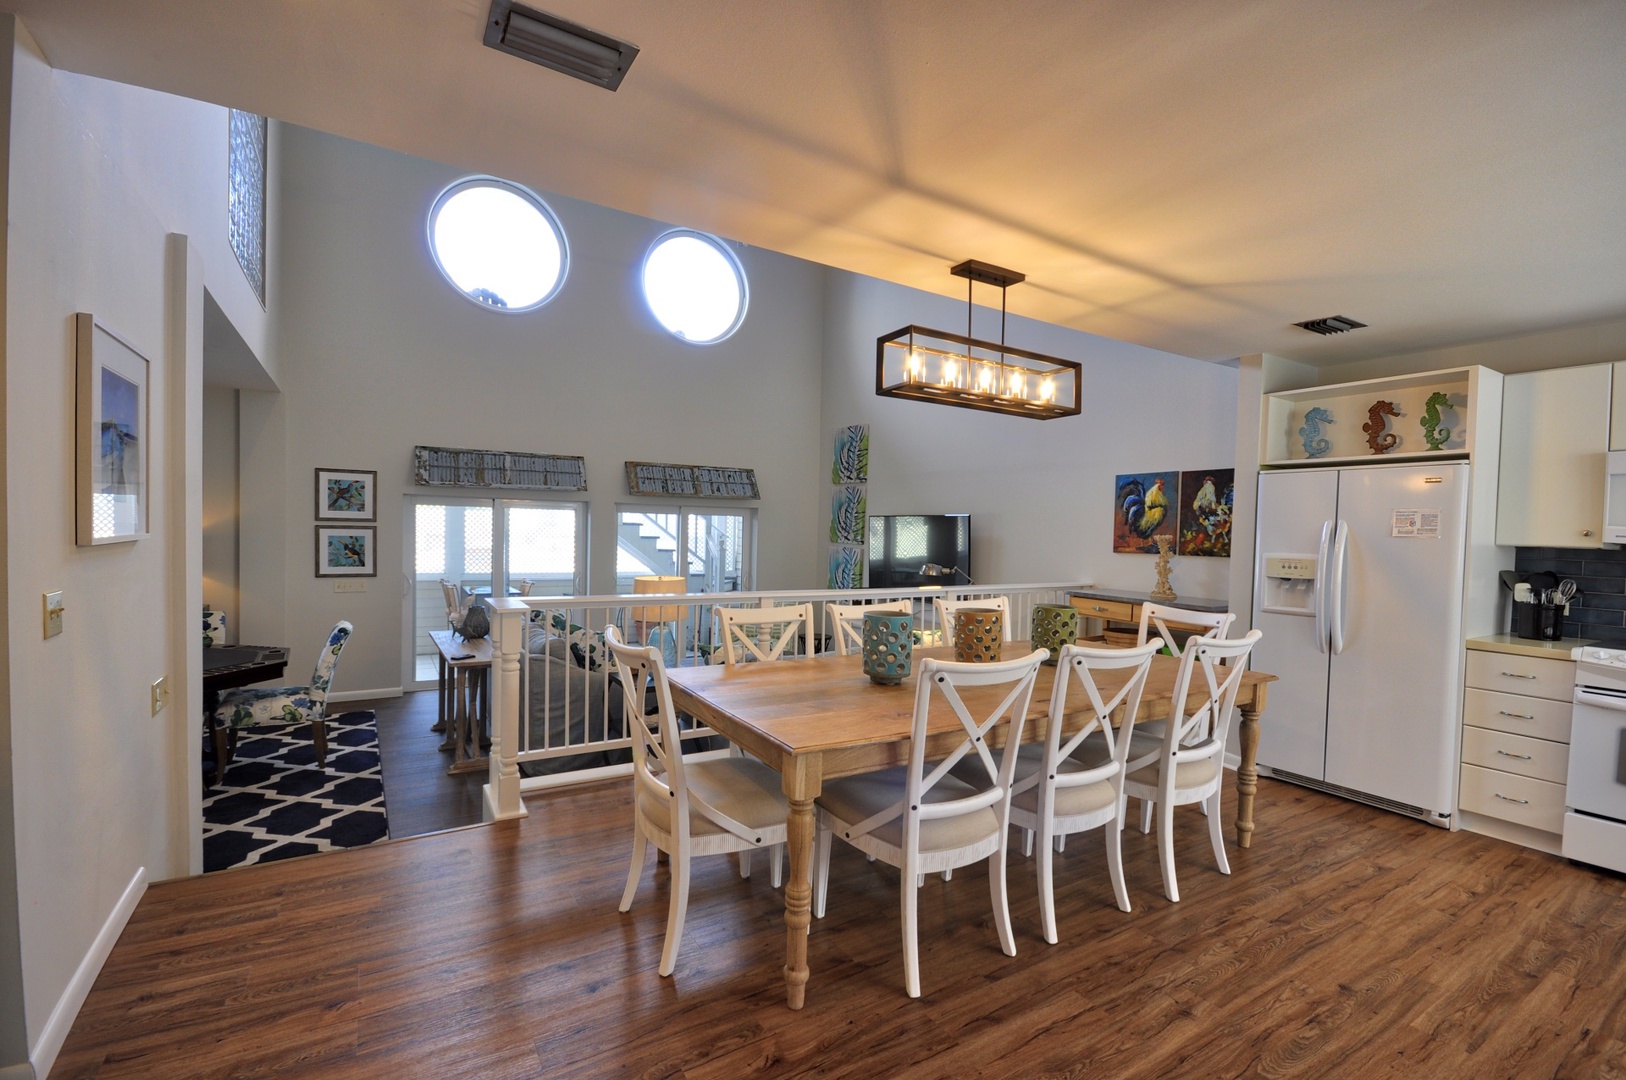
{"type": "Point", "coordinates": [1617, 413]}
{"type": "Point", "coordinates": [1515, 741]}
{"type": "Point", "coordinates": [1555, 438]}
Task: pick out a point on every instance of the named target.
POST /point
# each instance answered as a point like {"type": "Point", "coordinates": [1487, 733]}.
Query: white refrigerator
{"type": "Point", "coordinates": [1359, 592]}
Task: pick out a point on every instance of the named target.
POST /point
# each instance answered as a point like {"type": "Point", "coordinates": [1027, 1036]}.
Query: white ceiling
{"type": "Point", "coordinates": [1193, 176]}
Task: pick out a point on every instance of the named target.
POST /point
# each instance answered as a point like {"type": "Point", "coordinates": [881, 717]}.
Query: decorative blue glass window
{"type": "Point", "coordinates": [498, 244]}
{"type": "Point", "coordinates": [245, 197]}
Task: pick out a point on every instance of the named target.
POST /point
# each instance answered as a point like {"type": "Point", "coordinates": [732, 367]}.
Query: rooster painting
{"type": "Point", "coordinates": [1205, 512]}
{"type": "Point", "coordinates": [1143, 513]}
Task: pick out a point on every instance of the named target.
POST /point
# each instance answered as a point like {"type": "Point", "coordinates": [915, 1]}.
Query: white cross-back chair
{"type": "Point", "coordinates": [947, 608]}
{"type": "Point", "coordinates": [1155, 619]}
{"type": "Point", "coordinates": [920, 818]}
{"type": "Point", "coordinates": [1154, 624]}
{"type": "Point", "coordinates": [1054, 794]}
{"type": "Point", "coordinates": [1189, 763]}
{"type": "Point", "coordinates": [688, 809]}
{"type": "Point", "coordinates": [764, 634]}
{"type": "Point", "coordinates": [847, 622]}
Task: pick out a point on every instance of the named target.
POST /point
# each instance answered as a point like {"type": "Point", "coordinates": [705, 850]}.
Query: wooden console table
{"type": "Point", "coordinates": [465, 695]}
{"type": "Point", "coordinates": [1121, 606]}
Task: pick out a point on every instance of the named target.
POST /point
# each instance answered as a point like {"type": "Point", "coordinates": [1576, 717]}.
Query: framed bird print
{"type": "Point", "coordinates": [346, 495]}
{"type": "Point", "coordinates": [1146, 507]}
{"type": "Point", "coordinates": [1205, 512]}
{"type": "Point", "coordinates": [346, 551]}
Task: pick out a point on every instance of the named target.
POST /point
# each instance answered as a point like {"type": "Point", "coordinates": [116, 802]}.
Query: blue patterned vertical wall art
{"type": "Point", "coordinates": [852, 456]}
{"type": "Point", "coordinates": [849, 507]}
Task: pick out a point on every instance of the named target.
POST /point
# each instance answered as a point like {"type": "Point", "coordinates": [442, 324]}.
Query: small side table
{"type": "Point", "coordinates": [465, 675]}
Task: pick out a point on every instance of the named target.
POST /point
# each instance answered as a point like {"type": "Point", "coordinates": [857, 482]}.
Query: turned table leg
{"type": "Point", "coordinates": [801, 777]}
{"type": "Point", "coordinates": [1247, 773]}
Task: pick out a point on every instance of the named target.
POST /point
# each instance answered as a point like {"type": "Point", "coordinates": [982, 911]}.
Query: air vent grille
{"type": "Point", "coordinates": [1332, 324]}
{"type": "Point", "coordinates": [559, 44]}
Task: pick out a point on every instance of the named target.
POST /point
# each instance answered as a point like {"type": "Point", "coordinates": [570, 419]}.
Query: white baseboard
{"type": "Point", "coordinates": [364, 695]}
{"type": "Point", "coordinates": [73, 997]}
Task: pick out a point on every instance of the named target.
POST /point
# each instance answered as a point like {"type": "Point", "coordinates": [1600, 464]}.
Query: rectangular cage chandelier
{"type": "Point", "coordinates": [960, 370]}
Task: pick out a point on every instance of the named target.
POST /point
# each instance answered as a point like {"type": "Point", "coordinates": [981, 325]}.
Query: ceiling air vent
{"type": "Point", "coordinates": [1332, 324]}
{"type": "Point", "coordinates": [559, 44]}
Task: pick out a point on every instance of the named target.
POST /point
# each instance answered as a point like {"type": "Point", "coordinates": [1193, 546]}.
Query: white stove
{"type": "Point", "coordinates": [1595, 821]}
{"type": "Point", "coordinates": [1601, 657]}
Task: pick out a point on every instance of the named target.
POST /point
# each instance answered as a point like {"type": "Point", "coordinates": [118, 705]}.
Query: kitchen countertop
{"type": "Point", "coordinates": [1190, 603]}
{"type": "Point", "coordinates": [1518, 646]}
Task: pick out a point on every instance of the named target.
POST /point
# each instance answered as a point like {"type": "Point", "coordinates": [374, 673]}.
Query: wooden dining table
{"type": "Point", "coordinates": [819, 718]}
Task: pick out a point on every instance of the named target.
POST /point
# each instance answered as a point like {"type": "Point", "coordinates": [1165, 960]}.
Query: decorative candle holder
{"type": "Point", "coordinates": [1054, 625]}
{"type": "Point", "coordinates": [888, 646]}
{"type": "Point", "coordinates": [979, 635]}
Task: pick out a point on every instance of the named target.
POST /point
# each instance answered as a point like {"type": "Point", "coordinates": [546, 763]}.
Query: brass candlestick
{"type": "Point", "coordinates": [1163, 591]}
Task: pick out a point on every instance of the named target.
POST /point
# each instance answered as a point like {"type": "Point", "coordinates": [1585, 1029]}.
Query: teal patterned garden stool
{"type": "Point", "coordinates": [888, 646]}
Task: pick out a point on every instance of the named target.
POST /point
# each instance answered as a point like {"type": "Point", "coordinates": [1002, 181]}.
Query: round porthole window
{"type": "Point", "coordinates": [498, 244]}
{"type": "Point", "coordinates": [695, 286]}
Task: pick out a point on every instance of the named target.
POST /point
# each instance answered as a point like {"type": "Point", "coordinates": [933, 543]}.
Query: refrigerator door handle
{"type": "Point", "coordinates": [1335, 594]}
{"type": "Point", "coordinates": [1322, 574]}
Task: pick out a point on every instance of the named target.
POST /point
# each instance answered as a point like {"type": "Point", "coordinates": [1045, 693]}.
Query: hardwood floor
{"type": "Point", "coordinates": [418, 794]}
{"type": "Point", "coordinates": [1347, 943]}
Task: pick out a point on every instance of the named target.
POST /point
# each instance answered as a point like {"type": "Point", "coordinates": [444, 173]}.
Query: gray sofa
{"type": "Point", "coordinates": [575, 714]}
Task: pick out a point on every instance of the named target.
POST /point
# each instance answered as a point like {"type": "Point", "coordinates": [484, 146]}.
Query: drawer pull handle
{"type": "Point", "coordinates": [1504, 798]}
{"type": "Point", "coordinates": [1516, 716]}
{"type": "Point", "coordinates": [1516, 675]}
{"type": "Point", "coordinates": [1521, 757]}
{"type": "Point", "coordinates": [1097, 607]}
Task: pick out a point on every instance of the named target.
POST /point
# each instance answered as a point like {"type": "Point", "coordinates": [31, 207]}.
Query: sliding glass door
{"type": "Point", "coordinates": [509, 546]}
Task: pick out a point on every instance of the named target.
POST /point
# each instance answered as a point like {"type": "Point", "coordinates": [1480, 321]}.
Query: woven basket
{"type": "Point", "coordinates": [1119, 637]}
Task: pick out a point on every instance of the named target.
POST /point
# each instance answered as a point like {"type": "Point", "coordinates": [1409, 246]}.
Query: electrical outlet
{"type": "Point", "coordinates": [160, 693]}
{"type": "Point", "coordinates": [349, 586]}
{"type": "Point", "coordinates": [53, 614]}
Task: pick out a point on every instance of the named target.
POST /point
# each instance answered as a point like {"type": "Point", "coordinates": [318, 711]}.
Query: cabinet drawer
{"type": "Point", "coordinates": [1536, 803]}
{"type": "Point", "coordinates": [1536, 676]}
{"type": "Point", "coordinates": [1539, 718]}
{"type": "Point", "coordinates": [1538, 758]}
{"type": "Point", "coordinates": [1114, 610]}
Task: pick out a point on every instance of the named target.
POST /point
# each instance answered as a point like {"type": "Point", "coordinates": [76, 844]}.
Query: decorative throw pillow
{"type": "Point", "coordinates": [587, 648]}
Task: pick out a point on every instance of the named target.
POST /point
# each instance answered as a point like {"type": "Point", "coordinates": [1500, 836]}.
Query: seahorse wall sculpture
{"type": "Point", "coordinates": [1315, 443]}
{"type": "Point", "coordinates": [1379, 440]}
{"type": "Point", "coordinates": [1433, 433]}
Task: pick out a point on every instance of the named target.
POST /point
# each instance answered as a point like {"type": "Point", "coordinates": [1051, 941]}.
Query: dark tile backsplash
{"type": "Point", "coordinates": [1599, 609]}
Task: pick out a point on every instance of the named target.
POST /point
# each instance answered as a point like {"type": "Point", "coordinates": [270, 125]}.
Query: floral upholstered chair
{"type": "Point", "coordinates": [252, 706]}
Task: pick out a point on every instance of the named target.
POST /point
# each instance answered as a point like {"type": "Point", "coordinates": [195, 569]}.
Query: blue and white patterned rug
{"type": "Point", "coordinates": [276, 803]}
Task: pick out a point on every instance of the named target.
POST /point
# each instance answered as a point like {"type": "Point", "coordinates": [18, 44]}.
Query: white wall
{"type": "Point", "coordinates": [1040, 493]}
{"type": "Point", "coordinates": [379, 354]}
{"type": "Point", "coordinates": [220, 503]}
{"type": "Point", "coordinates": [100, 177]}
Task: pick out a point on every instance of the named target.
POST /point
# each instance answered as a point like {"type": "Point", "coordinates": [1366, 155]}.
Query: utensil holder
{"type": "Point", "coordinates": [888, 646]}
{"type": "Point", "coordinates": [979, 635]}
{"type": "Point", "coordinates": [1537, 621]}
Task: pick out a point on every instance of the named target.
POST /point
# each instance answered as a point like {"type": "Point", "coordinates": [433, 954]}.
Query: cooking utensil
{"type": "Point", "coordinates": [1566, 591]}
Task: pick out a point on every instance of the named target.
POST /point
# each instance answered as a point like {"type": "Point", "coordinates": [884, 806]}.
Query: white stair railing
{"type": "Point", "coordinates": [560, 719]}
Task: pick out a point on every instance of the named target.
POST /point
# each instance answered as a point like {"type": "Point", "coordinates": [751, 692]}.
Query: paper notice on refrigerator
{"type": "Point", "coordinates": [1424, 524]}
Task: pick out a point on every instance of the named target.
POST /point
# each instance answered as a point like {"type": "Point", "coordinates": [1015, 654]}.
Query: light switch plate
{"type": "Point", "coordinates": [53, 614]}
{"type": "Point", "coordinates": [349, 586]}
{"type": "Point", "coordinates": [160, 693]}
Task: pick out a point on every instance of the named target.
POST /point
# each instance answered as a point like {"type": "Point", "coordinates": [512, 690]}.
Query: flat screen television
{"type": "Point", "coordinates": [901, 546]}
